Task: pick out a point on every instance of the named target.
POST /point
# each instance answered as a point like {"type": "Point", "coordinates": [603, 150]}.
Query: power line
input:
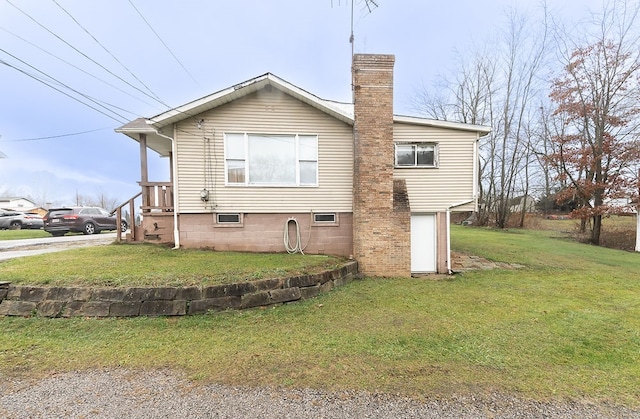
{"type": "Point", "coordinates": [68, 87]}
{"type": "Point", "coordinates": [163, 43]}
{"type": "Point", "coordinates": [86, 56]}
{"type": "Point", "coordinates": [79, 69]}
{"type": "Point", "coordinates": [94, 100]}
{"type": "Point", "coordinates": [50, 137]}
{"type": "Point", "coordinates": [61, 91]}
{"type": "Point", "coordinates": [107, 50]}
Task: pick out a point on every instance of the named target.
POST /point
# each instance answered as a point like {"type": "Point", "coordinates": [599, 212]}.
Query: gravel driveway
{"type": "Point", "coordinates": [122, 393]}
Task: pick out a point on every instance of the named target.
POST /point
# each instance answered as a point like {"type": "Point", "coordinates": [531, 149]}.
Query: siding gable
{"type": "Point", "coordinates": [200, 156]}
{"type": "Point", "coordinates": [435, 189]}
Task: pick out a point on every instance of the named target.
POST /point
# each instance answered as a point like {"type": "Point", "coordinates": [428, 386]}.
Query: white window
{"type": "Point", "coordinates": [271, 160]}
{"type": "Point", "coordinates": [416, 155]}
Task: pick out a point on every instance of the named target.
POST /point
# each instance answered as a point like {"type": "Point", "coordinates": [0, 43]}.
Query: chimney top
{"type": "Point", "coordinates": [373, 60]}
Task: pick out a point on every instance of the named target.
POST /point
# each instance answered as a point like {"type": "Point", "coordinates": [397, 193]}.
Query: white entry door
{"type": "Point", "coordinates": [423, 243]}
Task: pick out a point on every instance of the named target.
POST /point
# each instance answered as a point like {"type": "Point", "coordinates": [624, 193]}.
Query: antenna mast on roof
{"type": "Point", "coordinates": [370, 5]}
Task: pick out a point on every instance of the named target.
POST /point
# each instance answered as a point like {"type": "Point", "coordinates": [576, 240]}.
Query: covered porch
{"type": "Point", "coordinates": [152, 209]}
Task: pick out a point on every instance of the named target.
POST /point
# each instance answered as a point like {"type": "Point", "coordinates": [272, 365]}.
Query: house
{"type": "Point", "coordinates": [17, 204]}
{"type": "Point", "coordinates": [266, 166]}
{"type": "Point", "coordinates": [526, 202]}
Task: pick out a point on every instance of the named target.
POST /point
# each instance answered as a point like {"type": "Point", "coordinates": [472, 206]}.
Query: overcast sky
{"type": "Point", "coordinates": [154, 54]}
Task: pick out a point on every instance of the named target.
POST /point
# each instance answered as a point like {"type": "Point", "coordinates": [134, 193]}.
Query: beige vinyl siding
{"type": "Point", "coordinates": [451, 183]}
{"type": "Point", "coordinates": [264, 112]}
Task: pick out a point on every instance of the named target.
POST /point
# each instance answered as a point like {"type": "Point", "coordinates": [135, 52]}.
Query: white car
{"type": "Point", "coordinates": [15, 220]}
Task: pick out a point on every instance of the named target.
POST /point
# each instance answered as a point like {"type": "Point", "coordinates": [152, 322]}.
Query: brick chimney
{"type": "Point", "coordinates": [381, 215]}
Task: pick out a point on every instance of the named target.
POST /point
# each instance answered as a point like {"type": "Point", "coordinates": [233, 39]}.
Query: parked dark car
{"type": "Point", "coordinates": [15, 220]}
{"type": "Point", "coordinates": [87, 220]}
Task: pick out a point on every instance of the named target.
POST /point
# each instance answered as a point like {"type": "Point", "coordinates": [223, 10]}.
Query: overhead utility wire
{"type": "Point", "coordinates": [61, 91]}
{"type": "Point", "coordinates": [86, 56]}
{"type": "Point", "coordinates": [50, 137]}
{"type": "Point", "coordinates": [79, 69]}
{"type": "Point", "coordinates": [92, 99]}
{"type": "Point", "coordinates": [163, 43]}
{"type": "Point", "coordinates": [107, 51]}
{"type": "Point", "coordinates": [158, 100]}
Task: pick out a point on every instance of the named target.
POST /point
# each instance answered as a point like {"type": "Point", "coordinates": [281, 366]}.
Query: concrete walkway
{"type": "Point", "coordinates": [461, 262]}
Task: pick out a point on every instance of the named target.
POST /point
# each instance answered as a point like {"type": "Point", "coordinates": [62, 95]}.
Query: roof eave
{"type": "Point", "coordinates": [436, 123]}
{"type": "Point", "coordinates": [161, 144]}
{"type": "Point", "coordinates": [336, 109]}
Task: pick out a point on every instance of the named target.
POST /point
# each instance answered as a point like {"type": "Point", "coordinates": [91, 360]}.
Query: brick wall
{"type": "Point", "coordinates": [381, 230]}
{"type": "Point", "coordinates": [264, 233]}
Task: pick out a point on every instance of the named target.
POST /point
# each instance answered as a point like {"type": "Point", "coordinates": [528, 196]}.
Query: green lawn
{"type": "Point", "coordinates": [565, 326]}
{"type": "Point", "coordinates": [23, 234]}
{"type": "Point", "coordinates": [152, 265]}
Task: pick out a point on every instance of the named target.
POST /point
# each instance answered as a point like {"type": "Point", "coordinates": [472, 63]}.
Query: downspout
{"type": "Point", "coordinates": [476, 183]}
{"type": "Point", "coordinates": [476, 174]}
{"type": "Point", "coordinates": [176, 231]}
{"type": "Point", "coordinates": [448, 218]}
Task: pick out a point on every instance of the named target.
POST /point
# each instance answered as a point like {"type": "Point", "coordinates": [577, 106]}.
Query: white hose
{"type": "Point", "coordinates": [287, 243]}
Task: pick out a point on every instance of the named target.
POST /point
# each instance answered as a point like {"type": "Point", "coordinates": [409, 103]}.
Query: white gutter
{"type": "Point", "coordinates": [176, 231]}
{"type": "Point", "coordinates": [448, 218]}
{"type": "Point", "coordinates": [476, 164]}
{"type": "Point", "coordinates": [449, 230]}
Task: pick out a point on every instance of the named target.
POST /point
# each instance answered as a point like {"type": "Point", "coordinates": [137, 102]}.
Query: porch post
{"type": "Point", "coordinates": [144, 174]}
{"type": "Point", "coordinates": [132, 220]}
{"type": "Point", "coordinates": [118, 223]}
{"type": "Point", "coordinates": [144, 171]}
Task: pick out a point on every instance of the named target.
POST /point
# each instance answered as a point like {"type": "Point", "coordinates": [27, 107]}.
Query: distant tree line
{"type": "Point", "coordinates": [564, 108]}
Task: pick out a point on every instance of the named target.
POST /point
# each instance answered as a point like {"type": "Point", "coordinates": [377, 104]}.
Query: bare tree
{"type": "Point", "coordinates": [497, 87]}
{"type": "Point", "coordinates": [100, 200]}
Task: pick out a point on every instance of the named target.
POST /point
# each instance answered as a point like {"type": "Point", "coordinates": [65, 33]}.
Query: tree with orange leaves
{"type": "Point", "coordinates": [598, 96]}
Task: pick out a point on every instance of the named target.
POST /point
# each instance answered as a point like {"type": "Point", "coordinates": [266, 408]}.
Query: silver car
{"type": "Point", "coordinates": [14, 220]}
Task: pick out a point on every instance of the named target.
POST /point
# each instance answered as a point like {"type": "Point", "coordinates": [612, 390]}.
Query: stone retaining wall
{"type": "Point", "coordinates": [21, 300]}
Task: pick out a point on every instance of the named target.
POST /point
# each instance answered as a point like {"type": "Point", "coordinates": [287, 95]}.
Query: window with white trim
{"type": "Point", "coordinates": [271, 160]}
{"type": "Point", "coordinates": [416, 154]}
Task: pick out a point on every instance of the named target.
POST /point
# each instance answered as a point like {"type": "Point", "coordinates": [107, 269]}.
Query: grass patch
{"type": "Point", "coordinates": [618, 232]}
{"type": "Point", "coordinates": [152, 265]}
{"type": "Point", "coordinates": [566, 326]}
{"type": "Point", "coordinates": [545, 251]}
{"type": "Point", "coordinates": [23, 234]}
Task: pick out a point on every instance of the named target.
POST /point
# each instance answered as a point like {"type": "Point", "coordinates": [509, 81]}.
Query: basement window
{"type": "Point", "coordinates": [325, 219]}
{"type": "Point", "coordinates": [416, 155]}
{"type": "Point", "coordinates": [228, 218]}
